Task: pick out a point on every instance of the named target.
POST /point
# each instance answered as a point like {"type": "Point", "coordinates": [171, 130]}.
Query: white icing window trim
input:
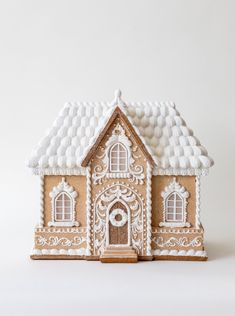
{"type": "Point", "coordinates": [63, 187]}
{"type": "Point", "coordinates": [176, 188]}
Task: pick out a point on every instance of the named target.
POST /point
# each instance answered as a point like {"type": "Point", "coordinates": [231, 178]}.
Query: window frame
{"type": "Point", "coordinates": [118, 157]}
{"type": "Point", "coordinates": [63, 208]}
{"type": "Point", "coordinates": [174, 208]}
{"type": "Point", "coordinates": [63, 188]}
{"type": "Point", "coordinates": [176, 190]}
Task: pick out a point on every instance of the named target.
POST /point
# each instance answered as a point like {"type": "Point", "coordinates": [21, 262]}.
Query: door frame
{"type": "Point", "coordinates": [128, 226]}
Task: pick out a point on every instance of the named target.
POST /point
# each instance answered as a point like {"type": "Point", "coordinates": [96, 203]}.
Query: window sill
{"type": "Point", "coordinates": [117, 175]}
{"type": "Point", "coordinates": [174, 224]}
{"type": "Point", "coordinates": [64, 224]}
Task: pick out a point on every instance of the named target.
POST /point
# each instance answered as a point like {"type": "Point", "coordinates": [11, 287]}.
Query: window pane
{"type": "Point", "coordinates": [170, 217]}
{"type": "Point", "coordinates": [58, 217]}
{"type": "Point", "coordinates": [67, 216]}
{"type": "Point", "coordinates": [170, 203]}
{"type": "Point", "coordinates": [178, 217]}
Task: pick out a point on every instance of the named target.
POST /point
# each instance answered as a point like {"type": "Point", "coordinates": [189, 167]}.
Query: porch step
{"type": "Point", "coordinates": [119, 254]}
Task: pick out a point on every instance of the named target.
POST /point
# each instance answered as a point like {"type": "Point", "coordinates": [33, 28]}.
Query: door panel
{"type": "Point", "coordinates": [118, 235]}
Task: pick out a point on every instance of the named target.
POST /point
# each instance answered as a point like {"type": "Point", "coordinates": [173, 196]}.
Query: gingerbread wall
{"type": "Point", "coordinates": [158, 185]}
{"type": "Point", "coordinates": [79, 184]}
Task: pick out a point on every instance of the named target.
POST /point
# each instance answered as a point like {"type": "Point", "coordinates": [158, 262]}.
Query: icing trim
{"type": "Point", "coordinates": [174, 224]}
{"type": "Point", "coordinates": [181, 242]}
{"type": "Point", "coordinates": [88, 210]}
{"type": "Point", "coordinates": [56, 241]}
{"type": "Point", "coordinates": [60, 171]}
{"type": "Point", "coordinates": [149, 208]}
{"type": "Point", "coordinates": [176, 231]}
{"type": "Point", "coordinates": [156, 171]}
{"type": "Point", "coordinates": [188, 253]}
{"type": "Point", "coordinates": [198, 202]}
{"type": "Point", "coordinates": [41, 224]}
{"type": "Point", "coordinates": [55, 252]}
{"type": "Point", "coordinates": [60, 230]}
{"type": "Point", "coordinates": [180, 172]}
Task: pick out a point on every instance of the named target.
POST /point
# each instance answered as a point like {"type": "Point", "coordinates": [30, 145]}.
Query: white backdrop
{"type": "Point", "coordinates": [57, 51]}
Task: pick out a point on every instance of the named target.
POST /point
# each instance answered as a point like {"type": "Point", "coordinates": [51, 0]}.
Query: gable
{"type": "Point", "coordinates": [118, 155]}
{"type": "Point", "coordinates": [116, 115]}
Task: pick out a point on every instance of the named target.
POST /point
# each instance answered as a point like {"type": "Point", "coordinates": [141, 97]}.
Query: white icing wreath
{"type": "Point", "coordinates": [114, 213]}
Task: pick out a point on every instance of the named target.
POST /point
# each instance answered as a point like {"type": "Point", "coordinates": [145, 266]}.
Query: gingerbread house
{"type": "Point", "coordinates": [120, 182]}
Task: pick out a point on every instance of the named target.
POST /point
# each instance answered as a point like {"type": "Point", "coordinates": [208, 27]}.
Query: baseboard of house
{"type": "Point", "coordinates": [181, 258]}
{"type": "Point", "coordinates": [145, 258]}
{"type": "Point", "coordinates": [56, 257]}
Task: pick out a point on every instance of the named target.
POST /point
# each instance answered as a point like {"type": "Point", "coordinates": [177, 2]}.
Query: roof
{"type": "Point", "coordinates": [164, 133]}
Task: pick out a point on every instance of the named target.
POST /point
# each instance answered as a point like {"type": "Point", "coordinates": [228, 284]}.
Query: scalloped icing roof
{"type": "Point", "coordinates": [172, 145]}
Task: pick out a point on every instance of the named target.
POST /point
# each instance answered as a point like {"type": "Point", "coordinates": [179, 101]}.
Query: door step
{"type": "Point", "coordinates": [119, 254]}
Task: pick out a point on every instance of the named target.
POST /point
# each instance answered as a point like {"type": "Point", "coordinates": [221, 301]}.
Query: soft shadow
{"type": "Point", "coordinates": [218, 250]}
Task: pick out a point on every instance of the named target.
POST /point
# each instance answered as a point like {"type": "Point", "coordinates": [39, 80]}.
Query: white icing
{"type": "Point", "coordinates": [58, 241]}
{"type": "Point", "coordinates": [198, 201]}
{"type": "Point", "coordinates": [69, 252]}
{"type": "Point", "coordinates": [149, 209]}
{"type": "Point", "coordinates": [190, 253]}
{"type": "Point", "coordinates": [60, 230]}
{"type": "Point", "coordinates": [159, 125]}
{"type": "Point", "coordinates": [88, 210]}
{"type": "Point", "coordinates": [41, 224]}
{"type": "Point", "coordinates": [181, 242]}
{"type": "Point", "coordinates": [176, 231]}
{"type": "Point", "coordinates": [114, 221]}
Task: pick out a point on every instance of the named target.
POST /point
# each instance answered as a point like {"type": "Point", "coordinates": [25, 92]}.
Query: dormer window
{"type": "Point", "coordinates": [118, 158]}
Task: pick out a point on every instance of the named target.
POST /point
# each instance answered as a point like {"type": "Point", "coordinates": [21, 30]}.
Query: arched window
{"type": "Point", "coordinates": [118, 158]}
{"type": "Point", "coordinates": [63, 208]}
{"type": "Point", "coordinates": [174, 208]}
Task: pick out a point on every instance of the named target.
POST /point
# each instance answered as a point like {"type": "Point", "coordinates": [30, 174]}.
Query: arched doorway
{"type": "Point", "coordinates": [118, 225]}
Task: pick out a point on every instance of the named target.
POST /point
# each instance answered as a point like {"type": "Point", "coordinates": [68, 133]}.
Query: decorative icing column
{"type": "Point", "coordinates": [149, 209]}
{"type": "Point", "coordinates": [88, 210]}
{"type": "Point", "coordinates": [41, 223]}
{"type": "Point", "coordinates": [198, 202]}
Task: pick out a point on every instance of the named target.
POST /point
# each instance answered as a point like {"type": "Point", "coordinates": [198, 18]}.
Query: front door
{"type": "Point", "coordinates": [118, 225]}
